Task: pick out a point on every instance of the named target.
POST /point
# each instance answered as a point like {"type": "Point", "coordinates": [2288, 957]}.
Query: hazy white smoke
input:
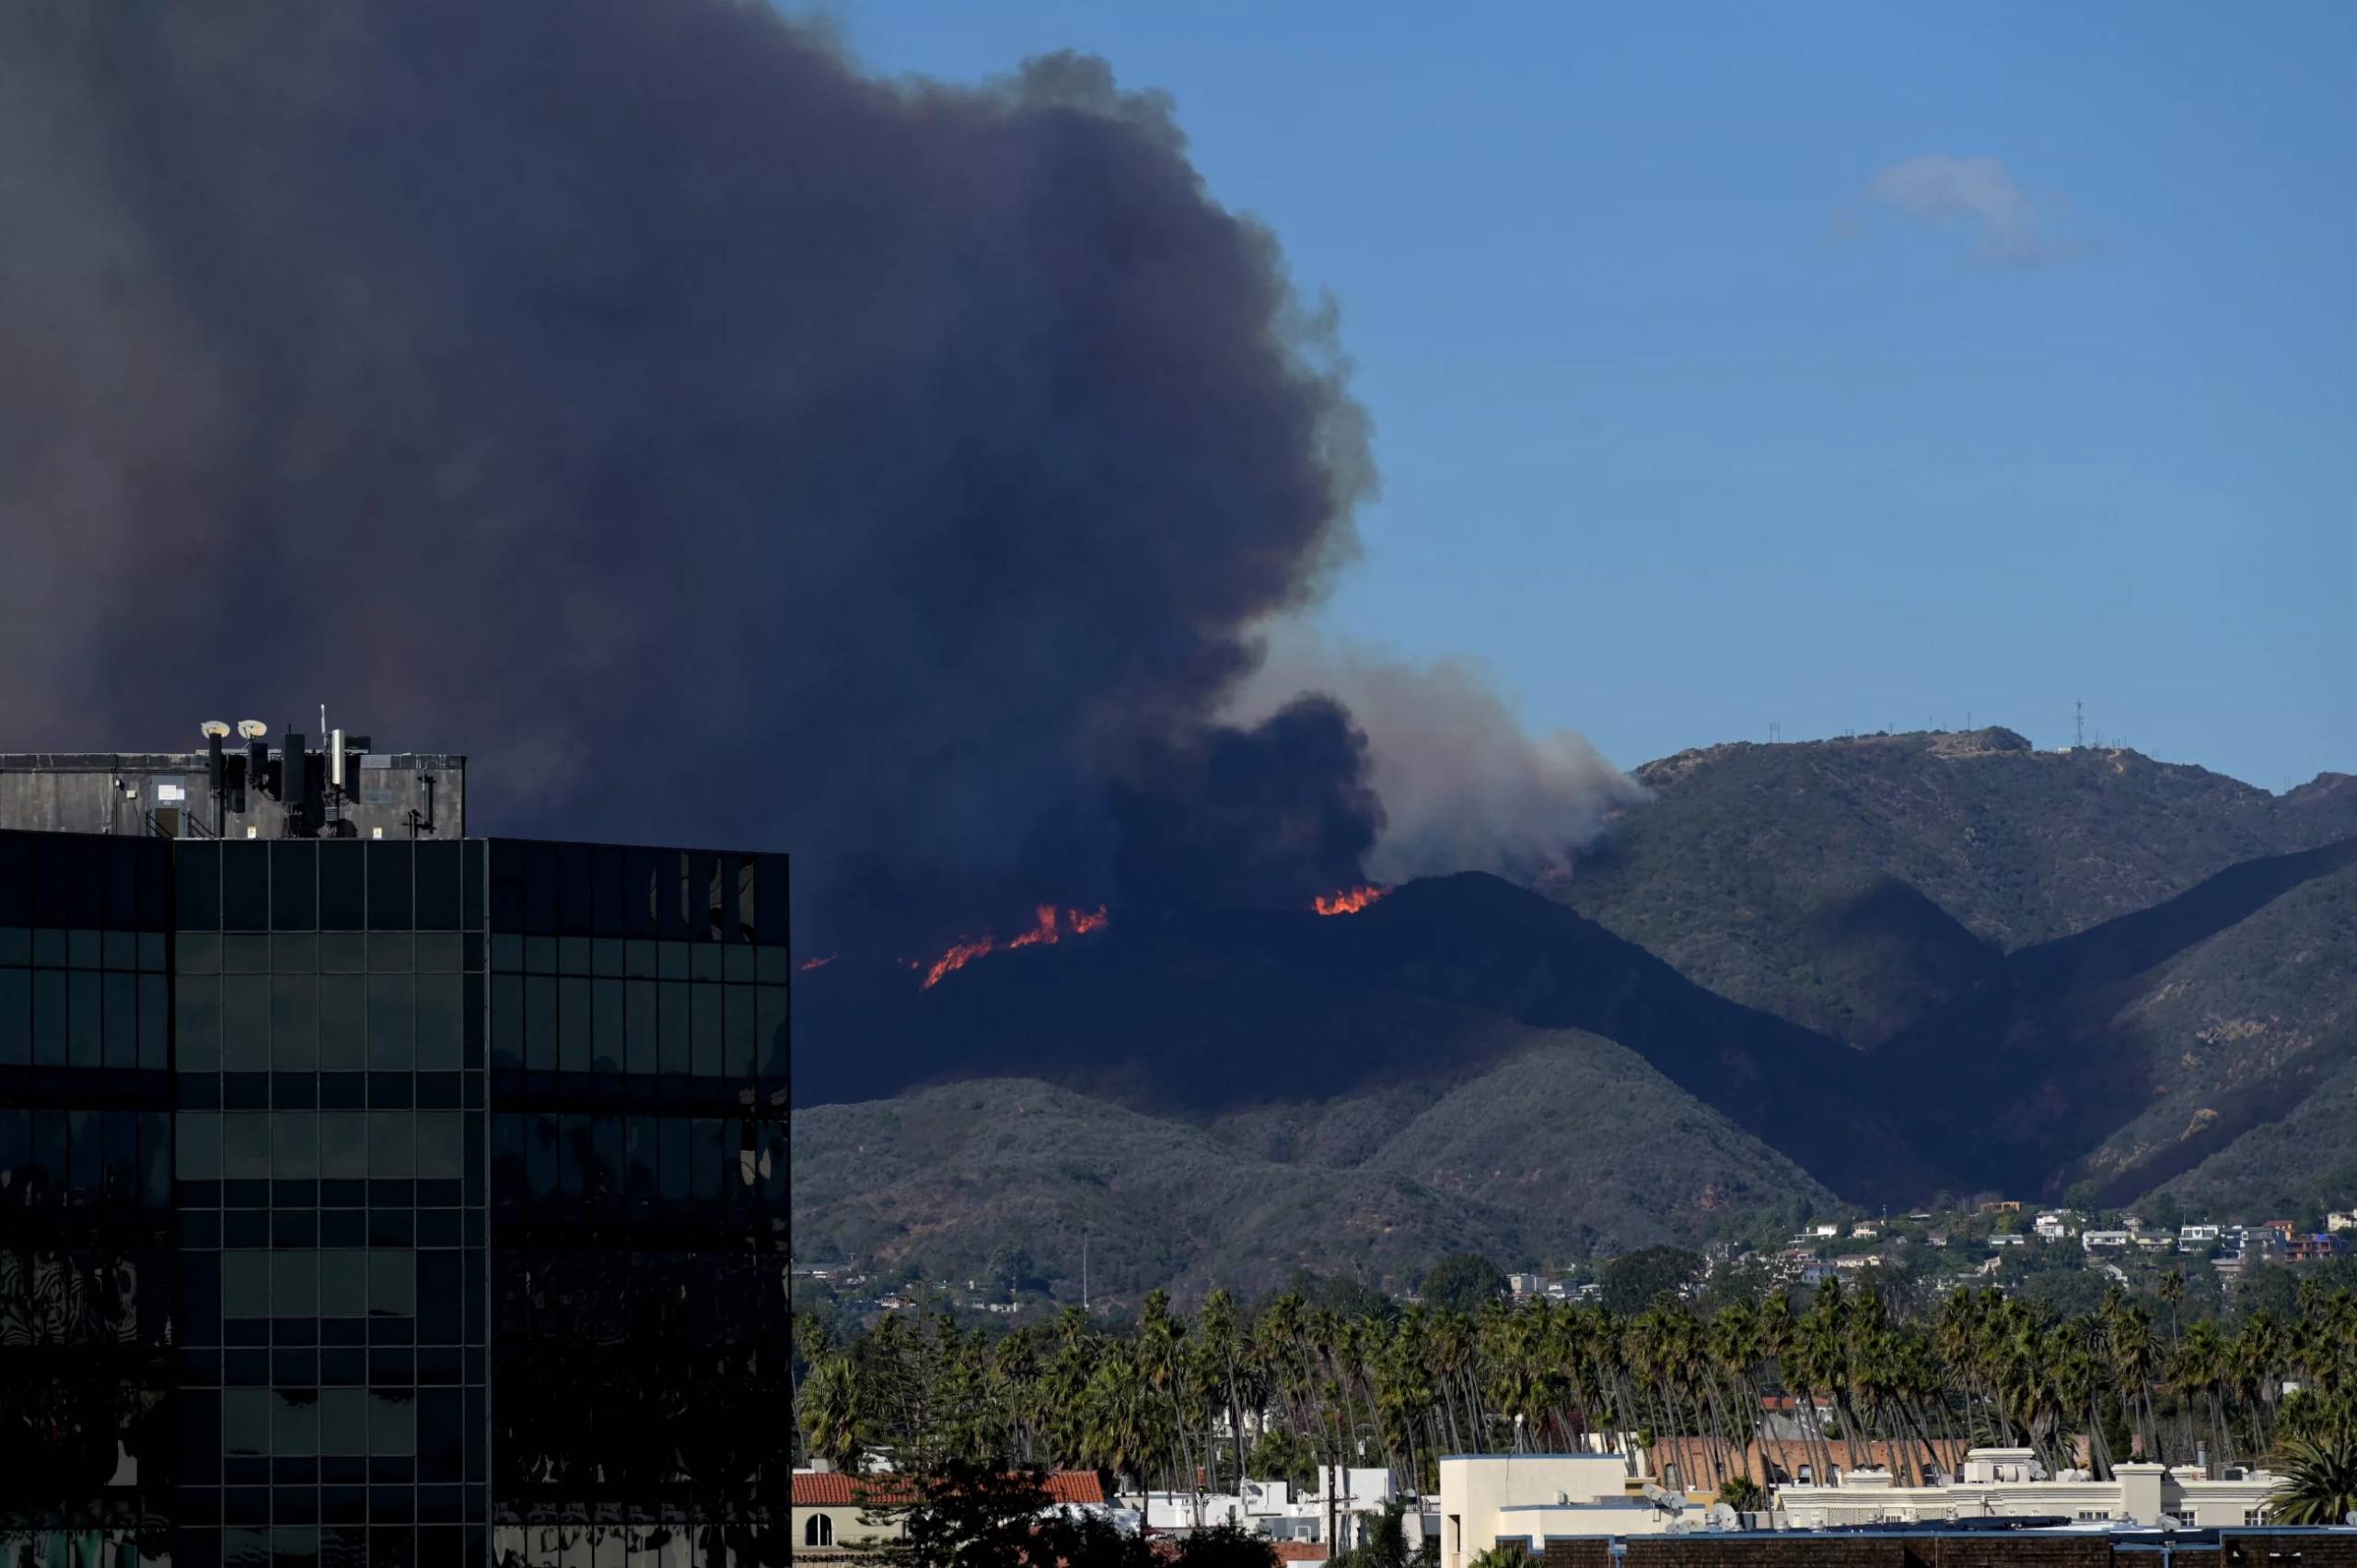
{"type": "Point", "coordinates": [1464, 785]}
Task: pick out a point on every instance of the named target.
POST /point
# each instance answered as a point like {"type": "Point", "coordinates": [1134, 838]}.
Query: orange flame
{"type": "Point", "coordinates": [1349, 901]}
{"type": "Point", "coordinates": [809, 964]}
{"type": "Point", "coordinates": [1044, 928]}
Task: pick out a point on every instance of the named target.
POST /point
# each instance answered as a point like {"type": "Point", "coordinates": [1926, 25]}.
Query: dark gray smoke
{"type": "Point", "coordinates": [716, 443]}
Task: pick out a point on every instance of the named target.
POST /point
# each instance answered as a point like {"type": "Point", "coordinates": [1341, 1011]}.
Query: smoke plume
{"type": "Point", "coordinates": [1464, 787]}
{"type": "Point", "coordinates": [716, 443]}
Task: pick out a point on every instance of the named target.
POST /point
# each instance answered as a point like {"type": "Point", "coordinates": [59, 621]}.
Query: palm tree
{"type": "Point", "coordinates": [2171, 1290]}
{"type": "Point", "coordinates": [2201, 1363]}
{"type": "Point", "coordinates": [1216, 1328]}
{"type": "Point", "coordinates": [1734, 1345]}
{"type": "Point", "coordinates": [1161, 1349]}
{"type": "Point", "coordinates": [2258, 1356]}
{"type": "Point", "coordinates": [1123, 1421]}
{"type": "Point", "coordinates": [2319, 1484]}
{"type": "Point", "coordinates": [833, 1422]}
{"type": "Point", "coordinates": [2136, 1361]}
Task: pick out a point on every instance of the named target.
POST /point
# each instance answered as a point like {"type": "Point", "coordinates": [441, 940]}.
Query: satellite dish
{"type": "Point", "coordinates": [213, 729]}
{"type": "Point", "coordinates": [1724, 1518]}
{"type": "Point", "coordinates": [253, 729]}
{"type": "Point", "coordinates": [1665, 1499]}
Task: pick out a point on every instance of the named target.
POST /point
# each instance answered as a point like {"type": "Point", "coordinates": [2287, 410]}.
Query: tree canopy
{"type": "Point", "coordinates": [1462, 1282]}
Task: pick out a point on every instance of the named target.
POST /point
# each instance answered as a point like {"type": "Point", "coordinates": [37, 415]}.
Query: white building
{"type": "Point", "coordinates": [2052, 1225]}
{"type": "Point", "coordinates": [2008, 1239]}
{"type": "Point", "coordinates": [2001, 1482]}
{"type": "Point", "coordinates": [2106, 1240]}
{"type": "Point", "coordinates": [1530, 1499]}
{"type": "Point", "coordinates": [1269, 1508]}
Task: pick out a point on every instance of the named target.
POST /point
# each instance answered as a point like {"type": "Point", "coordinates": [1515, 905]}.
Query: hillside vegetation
{"type": "Point", "coordinates": [1852, 885]}
{"type": "Point", "coordinates": [1885, 969]}
{"type": "Point", "coordinates": [1567, 1146]}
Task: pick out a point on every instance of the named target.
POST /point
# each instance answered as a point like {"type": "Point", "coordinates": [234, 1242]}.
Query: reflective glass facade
{"type": "Point", "coordinates": [391, 1202]}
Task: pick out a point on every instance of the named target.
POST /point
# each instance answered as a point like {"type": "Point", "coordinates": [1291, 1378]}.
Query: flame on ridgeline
{"type": "Point", "coordinates": [808, 964]}
{"type": "Point", "coordinates": [1349, 901]}
{"type": "Point", "coordinates": [1045, 927]}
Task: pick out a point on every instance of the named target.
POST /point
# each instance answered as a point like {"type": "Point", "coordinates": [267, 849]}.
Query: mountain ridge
{"type": "Point", "coordinates": [1888, 966]}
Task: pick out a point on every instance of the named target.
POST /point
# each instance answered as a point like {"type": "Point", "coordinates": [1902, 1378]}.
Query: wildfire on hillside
{"type": "Point", "coordinates": [1046, 926]}
{"type": "Point", "coordinates": [1349, 901]}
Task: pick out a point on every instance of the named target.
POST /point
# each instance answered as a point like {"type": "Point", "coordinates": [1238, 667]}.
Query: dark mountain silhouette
{"type": "Point", "coordinates": [1948, 963]}
{"type": "Point", "coordinates": [1205, 1016]}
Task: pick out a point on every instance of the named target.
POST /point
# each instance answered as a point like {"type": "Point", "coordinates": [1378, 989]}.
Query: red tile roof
{"type": "Point", "coordinates": [1300, 1551]}
{"type": "Point", "coordinates": [1076, 1486]}
{"type": "Point", "coordinates": [839, 1489]}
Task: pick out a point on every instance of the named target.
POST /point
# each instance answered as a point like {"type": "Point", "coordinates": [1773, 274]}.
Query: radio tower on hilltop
{"type": "Point", "coordinates": [2078, 724]}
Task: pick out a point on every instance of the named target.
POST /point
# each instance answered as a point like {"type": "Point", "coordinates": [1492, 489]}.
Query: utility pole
{"type": "Point", "coordinates": [1084, 1271]}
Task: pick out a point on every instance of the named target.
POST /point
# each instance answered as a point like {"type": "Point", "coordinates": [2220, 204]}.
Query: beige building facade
{"type": "Point", "coordinates": [2009, 1482]}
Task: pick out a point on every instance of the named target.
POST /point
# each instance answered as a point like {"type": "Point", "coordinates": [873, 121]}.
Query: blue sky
{"type": "Point", "coordinates": [1846, 367]}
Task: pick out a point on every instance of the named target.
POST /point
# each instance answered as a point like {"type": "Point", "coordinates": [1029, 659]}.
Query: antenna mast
{"type": "Point", "coordinates": [2078, 724]}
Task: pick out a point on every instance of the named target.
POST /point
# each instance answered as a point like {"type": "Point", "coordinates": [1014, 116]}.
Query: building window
{"type": "Point", "coordinates": [820, 1531]}
{"type": "Point", "coordinates": [2254, 1515]}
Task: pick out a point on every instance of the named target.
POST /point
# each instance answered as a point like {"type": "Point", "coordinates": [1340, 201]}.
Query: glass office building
{"type": "Point", "coordinates": [390, 1201]}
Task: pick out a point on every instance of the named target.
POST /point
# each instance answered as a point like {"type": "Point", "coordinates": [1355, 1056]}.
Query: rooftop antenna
{"type": "Point", "coordinates": [253, 732]}
{"type": "Point", "coordinates": [217, 779]}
